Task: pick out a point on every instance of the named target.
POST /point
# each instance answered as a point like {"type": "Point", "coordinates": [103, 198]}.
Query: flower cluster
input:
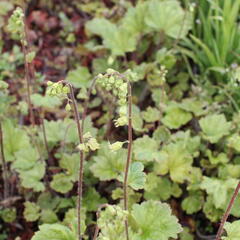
{"type": "Point", "coordinates": [57, 89]}
{"type": "Point", "coordinates": [16, 23]}
{"type": "Point", "coordinates": [90, 143]}
{"type": "Point", "coordinates": [163, 72]}
{"type": "Point", "coordinates": [116, 146]}
{"type": "Point", "coordinates": [116, 83]}
{"type": "Point", "coordinates": [112, 81]}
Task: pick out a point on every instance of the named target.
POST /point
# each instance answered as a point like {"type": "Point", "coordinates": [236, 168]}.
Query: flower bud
{"type": "Point", "coordinates": [68, 107]}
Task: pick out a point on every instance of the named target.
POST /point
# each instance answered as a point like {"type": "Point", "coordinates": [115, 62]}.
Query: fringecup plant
{"type": "Point", "coordinates": [18, 28]}
{"type": "Point", "coordinates": [87, 143]}
{"type": "Point", "coordinates": [120, 87]}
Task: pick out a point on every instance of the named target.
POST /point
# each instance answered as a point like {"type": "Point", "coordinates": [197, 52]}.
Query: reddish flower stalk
{"type": "Point", "coordinates": [227, 212]}
{"type": "Point", "coordinates": [129, 156]}
{"type": "Point", "coordinates": [4, 166]}
{"type": "Point", "coordinates": [25, 43]}
{"type": "Point", "coordinates": [80, 177]}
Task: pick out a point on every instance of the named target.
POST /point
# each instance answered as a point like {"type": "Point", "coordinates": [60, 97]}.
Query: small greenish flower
{"type": "Point", "coordinates": [49, 83]}
{"type": "Point", "coordinates": [115, 83]}
{"type": "Point", "coordinates": [16, 23]}
{"type": "Point", "coordinates": [99, 76]}
{"type": "Point", "coordinates": [89, 143]}
{"type": "Point", "coordinates": [116, 146]}
{"type": "Point", "coordinates": [57, 89]}
{"type": "Point", "coordinates": [121, 121]}
{"type": "Point", "coordinates": [83, 147]}
{"type": "Point", "coordinates": [65, 90]}
{"type": "Point", "coordinates": [93, 144]}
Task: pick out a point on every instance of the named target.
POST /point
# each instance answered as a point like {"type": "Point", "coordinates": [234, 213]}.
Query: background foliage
{"type": "Point", "coordinates": [184, 59]}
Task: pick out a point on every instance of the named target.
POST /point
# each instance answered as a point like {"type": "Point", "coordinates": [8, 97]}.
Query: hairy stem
{"type": "Point", "coordinates": [129, 156]}
{"type": "Point", "coordinates": [4, 166]}
{"type": "Point", "coordinates": [227, 212]}
{"type": "Point", "coordinates": [27, 70]}
{"type": "Point", "coordinates": [80, 177]}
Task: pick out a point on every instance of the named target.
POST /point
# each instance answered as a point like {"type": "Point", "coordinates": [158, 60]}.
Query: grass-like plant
{"type": "Point", "coordinates": [215, 37]}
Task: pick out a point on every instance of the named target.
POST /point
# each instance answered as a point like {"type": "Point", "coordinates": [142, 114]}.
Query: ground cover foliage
{"type": "Point", "coordinates": [119, 119]}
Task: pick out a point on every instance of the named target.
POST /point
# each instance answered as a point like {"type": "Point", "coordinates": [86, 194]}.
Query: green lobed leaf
{"type": "Point", "coordinates": [108, 166]}
{"type": "Point", "coordinates": [234, 142]}
{"type": "Point", "coordinates": [26, 158]}
{"type": "Point", "coordinates": [71, 164]}
{"type": "Point", "coordinates": [214, 127]}
{"type": "Point", "coordinates": [194, 106]}
{"type": "Point", "coordinates": [79, 78]}
{"type": "Point", "coordinates": [151, 115]}
{"type": "Point", "coordinates": [70, 220]}
{"type": "Point", "coordinates": [31, 211]}
{"type": "Point", "coordinates": [61, 183]}
{"type": "Point", "coordinates": [176, 160]}
{"type": "Point", "coordinates": [65, 130]}
{"type": "Point", "coordinates": [136, 177]}
{"type": "Point", "coordinates": [15, 139]}
{"type": "Point", "coordinates": [176, 117]}
{"type": "Point", "coordinates": [161, 134]}
{"type": "Point", "coordinates": [137, 121]}
{"type": "Point", "coordinates": [54, 232]}
{"type": "Point", "coordinates": [154, 221]}
{"type": "Point", "coordinates": [210, 210]}
{"type": "Point", "coordinates": [145, 148]}
{"type": "Point", "coordinates": [221, 158]}
{"type": "Point", "coordinates": [8, 215]}
{"type": "Point", "coordinates": [217, 187]}
{"type": "Point", "coordinates": [154, 186]}
{"type": "Point", "coordinates": [185, 235]}
{"type": "Point", "coordinates": [32, 178]}
{"type": "Point", "coordinates": [45, 101]}
{"type": "Point", "coordinates": [169, 17]}
{"type": "Point", "coordinates": [134, 19]}
{"type": "Point", "coordinates": [118, 39]}
{"type": "Point", "coordinates": [48, 216]}
{"type": "Point", "coordinates": [193, 203]}
{"type": "Point", "coordinates": [233, 230]}
{"type": "Point", "coordinates": [92, 200]}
